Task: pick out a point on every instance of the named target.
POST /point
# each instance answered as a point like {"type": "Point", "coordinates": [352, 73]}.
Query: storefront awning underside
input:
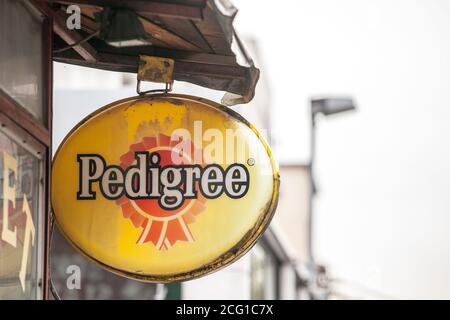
{"type": "Point", "coordinates": [197, 34]}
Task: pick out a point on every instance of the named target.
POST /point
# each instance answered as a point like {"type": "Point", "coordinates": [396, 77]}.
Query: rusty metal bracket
{"type": "Point", "coordinates": [167, 89]}
{"type": "Point", "coordinates": [155, 69]}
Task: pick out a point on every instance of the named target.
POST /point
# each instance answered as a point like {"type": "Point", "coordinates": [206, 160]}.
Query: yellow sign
{"type": "Point", "coordinates": [164, 187]}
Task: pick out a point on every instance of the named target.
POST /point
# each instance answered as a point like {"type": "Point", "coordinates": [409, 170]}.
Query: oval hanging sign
{"type": "Point", "coordinates": [164, 187]}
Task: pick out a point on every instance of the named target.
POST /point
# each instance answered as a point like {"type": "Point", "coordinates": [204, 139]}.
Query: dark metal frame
{"type": "Point", "coordinates": [175, 9]}
{"type": "Point", "coordinates": [32, 131]}
{"type": "Point", "coordinates": [209, 63]}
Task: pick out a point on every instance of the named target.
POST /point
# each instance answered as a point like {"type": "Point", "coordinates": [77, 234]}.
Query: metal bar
{"type": "Point", "coordinates": [22, 118]}
{"type": "Point", "coordinates": [178, 55]}
{"type": "Point", "coordinates": [162, 34]}
{"type": "Point", "coordinates": [71, 36]}
{"type": "Point", "coordinates": [125, 63]}
{"type": "Point", "coordinates": [48, 77]}
{"type": "Point", "coordinates": [143, 6]}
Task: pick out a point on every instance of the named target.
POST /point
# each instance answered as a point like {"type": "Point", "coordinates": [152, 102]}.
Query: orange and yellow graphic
{"type": "Point", "coordinates": [160, 226]}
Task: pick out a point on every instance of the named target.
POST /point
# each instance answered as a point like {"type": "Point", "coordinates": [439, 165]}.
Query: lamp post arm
{"type": "Point", "coordinates": [311, 186]}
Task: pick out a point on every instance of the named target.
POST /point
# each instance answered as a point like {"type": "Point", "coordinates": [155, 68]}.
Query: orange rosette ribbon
{"type": "Point", "coordinates": [159, 226]}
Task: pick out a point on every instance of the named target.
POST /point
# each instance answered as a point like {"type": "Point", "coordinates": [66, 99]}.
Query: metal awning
{"type": "Point", "coordinates": [197, 34]}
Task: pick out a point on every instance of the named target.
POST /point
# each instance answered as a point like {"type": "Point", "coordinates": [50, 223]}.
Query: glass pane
{"type": "Point", "coordinates": [270, 277]}
{"type": "Point", "coordinates": [263, 274]}
{"type": "Point", "coordinates": [21, 69]}
{"type": "Point", "coordinates": [258, 287]}
{"type": "Point", "coordinates": [19, 195]}
{"type": "Point", "coordinates": [76, 278]}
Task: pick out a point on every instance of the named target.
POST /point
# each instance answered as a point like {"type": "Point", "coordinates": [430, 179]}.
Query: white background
{"type": "Point", "coordinates": [383, 172]}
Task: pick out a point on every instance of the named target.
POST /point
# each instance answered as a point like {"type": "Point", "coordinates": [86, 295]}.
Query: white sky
{"type": "Point", "coordinates": [383, 173]}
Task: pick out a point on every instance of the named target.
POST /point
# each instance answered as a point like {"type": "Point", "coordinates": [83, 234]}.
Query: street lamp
{"type": "Point", "coordinates": [326, 106]}
{"type": "Point", "coordinates": [329, 106]}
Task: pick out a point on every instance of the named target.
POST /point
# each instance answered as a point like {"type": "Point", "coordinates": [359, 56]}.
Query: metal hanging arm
{"type": "Point", "coordinates": [169, 87]}
{"type": "Point", "coordinates": [155, 69]}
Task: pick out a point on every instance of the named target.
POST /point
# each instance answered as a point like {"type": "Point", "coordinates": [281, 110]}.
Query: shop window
{"type": "Point", "coordinates": [173, 291]}
{"type": "Point", "coordinates": [74, 277]}
{"type": "Point", "coordinates": [264, 273]}
{"type": "Point", "coordinates": [21, 218]}
{"type": "Point", "coordinates": [21, 56]}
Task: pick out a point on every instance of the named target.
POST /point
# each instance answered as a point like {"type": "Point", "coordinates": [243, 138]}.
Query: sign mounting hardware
{"type": "Point", "coordinates": [155, 69]}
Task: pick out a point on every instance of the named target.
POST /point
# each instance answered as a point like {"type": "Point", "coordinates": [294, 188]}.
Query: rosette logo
{"type": "Point", "coordinates": [164, 220]}
{"type": "Point", "coordinates": [161, 185]}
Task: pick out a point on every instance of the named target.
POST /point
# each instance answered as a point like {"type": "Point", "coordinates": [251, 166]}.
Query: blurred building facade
{"type": "Point", "coordinates": [273, 269]}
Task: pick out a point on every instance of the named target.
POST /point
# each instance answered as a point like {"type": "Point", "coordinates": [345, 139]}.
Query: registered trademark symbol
{"type": "Point", "coordinates": [251, 161]}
